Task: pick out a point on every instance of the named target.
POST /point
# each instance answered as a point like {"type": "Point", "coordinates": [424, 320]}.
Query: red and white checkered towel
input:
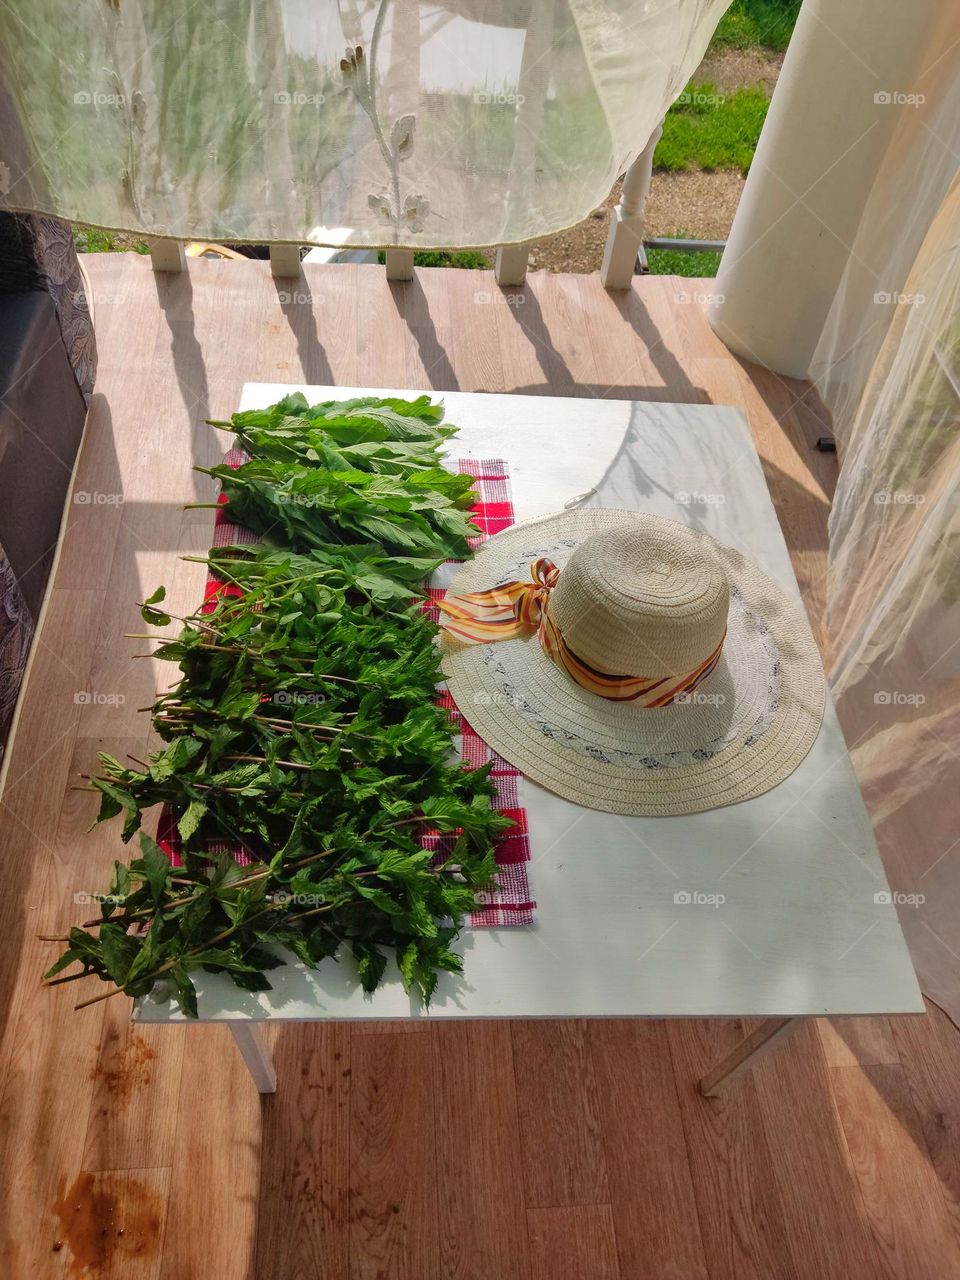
{"type": "Point", "coordinates": [510, 904]}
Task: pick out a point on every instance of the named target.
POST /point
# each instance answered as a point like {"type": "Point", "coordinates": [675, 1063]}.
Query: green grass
{"type": "Point", "coordinates": [757, 22]}
{"type": "Point", "coordinates": [91, 240]}
{"type": "Point", "coordinates": [707, 130]}
{"type": "Point", "coordinates": [671, 262]}
{"type": "Point", "coordinates": [471, 259]}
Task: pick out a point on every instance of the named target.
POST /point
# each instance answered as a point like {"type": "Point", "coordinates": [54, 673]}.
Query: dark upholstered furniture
{"type": "Point", "coordinates": [47, 365]}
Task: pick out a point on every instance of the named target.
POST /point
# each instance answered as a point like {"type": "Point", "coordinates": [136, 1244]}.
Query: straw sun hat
{"type": "Point", "coordinates": [631, 664]}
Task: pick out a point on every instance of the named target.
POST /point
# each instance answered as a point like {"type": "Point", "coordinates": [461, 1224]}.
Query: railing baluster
{"type": "Point", "coordinates": [625, 238]}
{"type": "Point", "coordinates": [285, 260]}
{"type": "Point", "coordinates": [399, 264]}
{"type": "Point", "coordinates": [167, 255]}
{"type": "Point", "coordinates": [511, 265]}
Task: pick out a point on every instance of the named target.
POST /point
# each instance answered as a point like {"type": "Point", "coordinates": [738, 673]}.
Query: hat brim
{"type": "Point", "coordinates": [744, 730]}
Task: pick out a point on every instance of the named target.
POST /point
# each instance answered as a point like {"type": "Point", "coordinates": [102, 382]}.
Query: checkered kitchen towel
{"type": "Point", "coordinates": [510, 904]}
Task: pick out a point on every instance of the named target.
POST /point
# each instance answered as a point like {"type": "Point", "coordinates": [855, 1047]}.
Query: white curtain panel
{"type": "Point", "coordinates": [461, 122]}
{"type": "Point", "coordinates": [888, 365]}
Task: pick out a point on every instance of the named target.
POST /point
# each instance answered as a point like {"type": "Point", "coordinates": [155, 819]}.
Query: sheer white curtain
{"type": "Point", "coordinates": [460, 122]}
{"type": "Point", "coordinates": [888, 365]}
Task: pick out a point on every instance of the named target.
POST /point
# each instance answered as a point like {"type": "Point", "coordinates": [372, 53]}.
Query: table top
{"type": "Point", "coordinates": [775, 906]}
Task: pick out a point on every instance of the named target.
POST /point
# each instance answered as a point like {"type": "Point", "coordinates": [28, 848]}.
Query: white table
{"type": "Point", "coordinates": [775, 908]}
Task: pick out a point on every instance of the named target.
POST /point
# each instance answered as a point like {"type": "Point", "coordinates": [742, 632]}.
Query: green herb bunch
{"type": "Point", "coordinates": [303, 729]}
{"type": "Point", "coordinates": [355, 471]}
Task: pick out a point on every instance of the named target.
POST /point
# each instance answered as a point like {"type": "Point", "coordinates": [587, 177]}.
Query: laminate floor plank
{"type": "Point", "coordinates": [560, 1130]}
{"type": "Point", "coordinates": [577, 1242]}
{"type": "Point", "coordinates": [930, 1052]}
{"type": "Point", "coordinates": [864, 1042]}
{"type": "Point", "coordinates": [393, 1158]}
{"type": "Point", "coordinates": [823, 1208]}
{"type": "Point", "coordinates": [741, 1215]}
{"type": "Point", "coordinates": [216, 1176]}
{"type": "Point", "coordinates": [902, 1194]}
{"type": "Point", "coordinates": [648, 1166]}
{"type": "Point", "coordinates": [305, 1157]}
{"type": "Point", "coordinates": [482, 1213]}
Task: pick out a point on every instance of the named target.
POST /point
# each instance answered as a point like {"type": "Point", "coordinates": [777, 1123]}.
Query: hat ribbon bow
{"type": "Point", "coordinates": [502, 613]}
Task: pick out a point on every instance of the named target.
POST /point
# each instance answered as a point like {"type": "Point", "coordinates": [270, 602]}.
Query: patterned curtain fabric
{"type": "Point", "coordinates": [61, 277]}
{"type": "Point", "coordinates": [363, 122]}
{"type": "Point", "coordinates": [888, 365]}
{"type": "Point", "coordinates": [38, 253]}
{"type": "Point", "coordinates": [16, 634]}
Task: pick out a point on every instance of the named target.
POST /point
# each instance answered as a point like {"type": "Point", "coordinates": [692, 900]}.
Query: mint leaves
{"type": "Point", "coordinates": [303, 728]}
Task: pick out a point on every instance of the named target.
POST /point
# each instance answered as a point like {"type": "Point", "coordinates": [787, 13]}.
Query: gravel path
{"type": "Point", "coordinates": [730, 69]}
{"type": "Point", "coordinates": [700, 205]}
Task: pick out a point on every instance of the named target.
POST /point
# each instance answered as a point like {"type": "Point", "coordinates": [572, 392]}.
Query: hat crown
{"type": "Point", "coordinates": [643, 599]}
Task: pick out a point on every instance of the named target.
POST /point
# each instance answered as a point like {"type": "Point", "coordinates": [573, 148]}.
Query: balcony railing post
{"type": "Point", "coordinates": [285, 260]}
{"type": "Point", "coordinates": [625, 238]}
{"type": "Point", "coordinates": [167, 255]}
{"type": "Point", "coordinates": [399, 264]}
{"type": "Point", "coordinates": [510, 268]}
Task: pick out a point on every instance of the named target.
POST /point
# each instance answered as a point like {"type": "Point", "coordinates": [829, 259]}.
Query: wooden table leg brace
{"type": "Point", "coordinates": [747, 1053]}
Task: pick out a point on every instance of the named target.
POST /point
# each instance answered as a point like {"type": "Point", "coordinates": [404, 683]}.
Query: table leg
{"type": "Point", "coordinates": [253, 1046]}
{"type": "Point", "coordinates": [747, 1053]}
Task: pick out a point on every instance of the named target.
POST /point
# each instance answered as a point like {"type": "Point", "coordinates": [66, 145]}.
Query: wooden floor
{"type": "Point", "coordinates": [542, 1150]}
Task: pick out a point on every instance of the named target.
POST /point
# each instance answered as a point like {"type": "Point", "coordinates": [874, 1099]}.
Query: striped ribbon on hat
{"type": "Point", "coordinates": [504, 612]}
{"type": "Point", "coordinates": [513, 609]}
